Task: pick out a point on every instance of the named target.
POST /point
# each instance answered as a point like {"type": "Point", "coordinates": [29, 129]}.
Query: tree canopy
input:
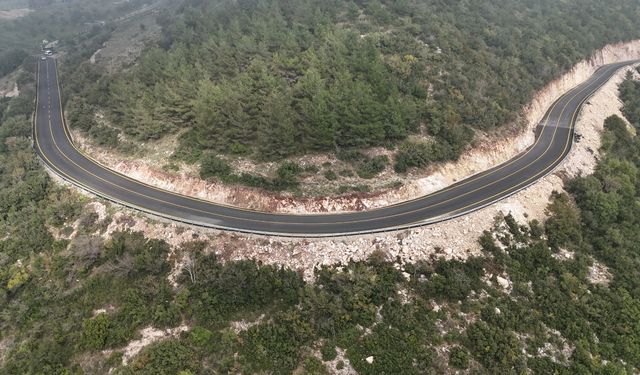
{"type": "Point", "coordinates": [270, 78]}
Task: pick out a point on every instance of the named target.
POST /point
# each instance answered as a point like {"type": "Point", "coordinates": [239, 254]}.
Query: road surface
{"type": "Point", "coordinates": [54, 146]}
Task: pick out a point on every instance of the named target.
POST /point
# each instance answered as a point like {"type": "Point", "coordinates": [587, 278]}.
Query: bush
{"type": "Point", "coordinates": [313, 366]}
{"type": "Point", "coordinates": [252, 181]}
{"type": "Point", "coordinates": [104, 136]}
{"type": "Point", "coordinates": [372, 167]}
{"type": "Point", "coordinates": [412, 155]}
{"type": "Point", "coordinates": [350, 155]}
{"type": "Point", "coordinates": [346, 172]}
{"type": "Point", "coordinates": [287, 176]}
{"type": "Point", "coordinates": [497, 349]}
{"type": "Point", "coordinates": [213, 166]}
{"type": "Point", "coordinates": [459, 358]}
{"type": "Point", "coordinates": [454, 280]}
{"type": "Point", "coordinates": [238, 149]}
{"type": "Point", "coordinates": [166, 357]}
{"type": "Point", "coordinates": [11, 59]}
{"type": "Point", "coordinates": [328, 351]}
{"type": "Point", "coordinates": [170, 167]}
{"type": "Point", "coordinates": [330, 175]}
{"type": "Point", "coordinates": [360, 188]}
{"type": "Point", "coordinates": [95, 332]}
{"type": "Point", "coordinates": [311, 169]}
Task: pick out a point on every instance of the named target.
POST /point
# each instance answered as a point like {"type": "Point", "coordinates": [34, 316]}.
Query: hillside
{"type": "Point", "coordinates": [77, 295]}
{"type": "Point", "coordinates": [88, 287]}
{"type": "Point", "coordinates": [266, 80]}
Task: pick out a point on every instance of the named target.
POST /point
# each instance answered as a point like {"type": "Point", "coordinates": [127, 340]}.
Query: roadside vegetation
{"type": "Point", "coordinates": [630, 96]}
{"type": "Point", "coordinates": [268, 80]}
{"type": "Point", "coordinates": [556, 297]}
{"type": "Point", "coordinates": [532, 302]}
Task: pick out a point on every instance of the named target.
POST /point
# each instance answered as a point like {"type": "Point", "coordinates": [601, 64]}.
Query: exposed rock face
{"type": "Point", "coordinates": [9, 86]}
{"type": "Point", "coordinates": [599, 274]}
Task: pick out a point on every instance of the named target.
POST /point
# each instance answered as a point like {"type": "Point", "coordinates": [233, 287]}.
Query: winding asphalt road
{"type": "Point", "coordinates": [54, 146]}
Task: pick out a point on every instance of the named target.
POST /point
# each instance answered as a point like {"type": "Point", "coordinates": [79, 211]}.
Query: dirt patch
{"type": "Point", "coordinates": [149, 336]}
{"type": "Point", "coordinates": [12, 93]}
{"type": "Point", "coordinates": [344, 368]}
{"type": "Point", "coordinates": [599, 274]}
{"type": "Point", "coordinates": [559, 352]}
{"type": "Point", "coordinates": [243, 325]}
{"type": "Point", "coordinates": [489, 150]}
{"type": "Point", "coordinates": [564, 254]}
{"type": "Point", "coordinates": [105, 310]}
{"type": "Point", "coordinates": [9, 86]}
{"type": "Point", "coordinates": [13, 14]}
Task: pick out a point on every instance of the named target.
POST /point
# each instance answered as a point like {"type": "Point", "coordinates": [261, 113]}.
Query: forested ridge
{"type": "Point", "coordinates": [269, 79]}
{"type": "Point", "coordinates": [527, 303]}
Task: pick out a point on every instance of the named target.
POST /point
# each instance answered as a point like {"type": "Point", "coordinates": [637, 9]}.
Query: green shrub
{"type": "Point", "coordinates": [252, 181]}
{"type": "Point", "coordinates": [347, 172]}
{"type": "Point", "coordinates": [11, 59]}
{"type": "Point", "coordinates": [213, 166]}
{"type": "Point", "coordinates": [170, 167]}
{"type": "Point", "coordinates": [104, 135]}
{"type": "Point", "coordinates": [350, 155]}
{"type": "Point", "coordinates": [330, 175]}
{"type": "Point", "coordinates": [459, 357]}
{"type": "Point", "coordinates": [95, 332]}
{"type": "Point", "coordinates": [413, 155]}
{"type": "Point", "coordinates": [238, 149]}
{"type": "Point", "coordinates": [328, 351]}
{"type": "Point", "coordinates": [360, 188]}
{"type": "Point", "coordinates": [166, 357]}
{"type": "Point", "coordinates": [287, 176]}
{"type": "Point", "coordinates": [372, 167]}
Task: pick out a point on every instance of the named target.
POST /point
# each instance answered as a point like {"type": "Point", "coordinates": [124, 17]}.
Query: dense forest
{"type": "Point", "coordinates": [268, 79]}
{"type": "Point", "coordinates": [378, 316]}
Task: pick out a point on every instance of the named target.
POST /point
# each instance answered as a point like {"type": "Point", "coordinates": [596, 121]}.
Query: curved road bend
{"type": "Point", "coordinates": [555, 135]}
